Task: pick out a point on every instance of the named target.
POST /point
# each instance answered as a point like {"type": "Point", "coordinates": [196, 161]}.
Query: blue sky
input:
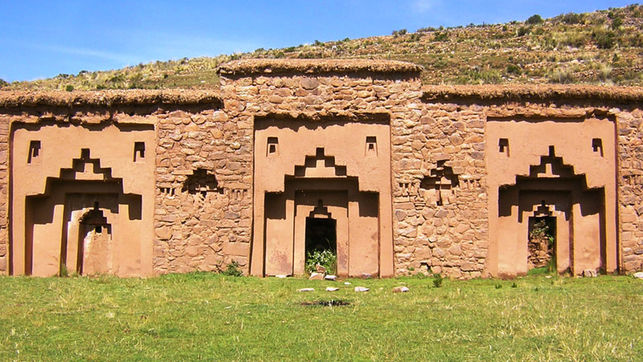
{"type": "Point", "coordinates": [41, 39]}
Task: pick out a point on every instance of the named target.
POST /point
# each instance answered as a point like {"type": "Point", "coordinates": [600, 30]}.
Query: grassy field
{"type": "Point", "coordinates": [210, 316]}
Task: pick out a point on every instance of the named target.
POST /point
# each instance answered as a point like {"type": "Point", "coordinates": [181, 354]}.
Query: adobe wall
{"type": "Point", "coordinates": [446, 164]}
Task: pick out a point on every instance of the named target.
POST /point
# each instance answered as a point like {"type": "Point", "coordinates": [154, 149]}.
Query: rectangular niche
{"type": "Point", "coordinates": [34, 151]}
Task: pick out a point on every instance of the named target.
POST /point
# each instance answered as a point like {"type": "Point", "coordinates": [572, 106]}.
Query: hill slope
{"type": "Point", "coordinates": [603, 47]}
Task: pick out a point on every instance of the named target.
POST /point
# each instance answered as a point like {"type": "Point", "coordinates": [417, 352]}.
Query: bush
{"type": "Point", "coordinates": [441, 36]}
{"type": "Point", "coordinates": [232, 270]}
{"type": "Point", "coordinates": [426, 30]}
{"type": "Point", "coordinates": [325, 258]}
{"type": "Point", "coordinates": [523, 30]}
{"type": "Point", "coordinates": [534, 19]}
{"type": "Point", "coordinates": [513, 69]}
{"type": "Point", "coordinates": [69, 87]}
{"type": "Point", "coordinates": [572, 18]}
{"type": "Point", "coordinates": [561, 76]}
{"type": "Point", "coordinates": [400, 32]}
{"type": "Point", "coordinates": [3, 83]}
{"type": "Point", "coordinates": [604, 39]}
{"type": "Point", "coordinates": [437, 280]}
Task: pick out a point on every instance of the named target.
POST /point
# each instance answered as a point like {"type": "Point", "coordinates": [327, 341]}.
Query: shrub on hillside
{"type": "Point", "coordinates": [534, 19]}
{"type": "Point", "coordinates": [400, 32]}
{"type": "Point", "coordinates": [604, 39]}
{"type": "Point", "coordinates": [523, 30]}
{"type": "Point", "coordinates": [571, 18]}
{"type": "Point", "coordinates": [3, 83]}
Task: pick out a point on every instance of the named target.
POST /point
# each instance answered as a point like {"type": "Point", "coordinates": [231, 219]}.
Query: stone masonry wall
{"type": "Point", "coordinates": [204, 165]}
{"type": "Point", "coordinates": [630, 157]}
{"type": "Point", "coordinates": [4, 194]}
{"type": "Point", "coordinates": [203, 202]}
{"type": "Point", "coordinates": [440, 202]}
{"type": "Point", "coordinates": [337, 95]}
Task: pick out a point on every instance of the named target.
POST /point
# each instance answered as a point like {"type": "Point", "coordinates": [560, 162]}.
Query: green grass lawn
{"type": "Point", "coordinates": [209, 316]}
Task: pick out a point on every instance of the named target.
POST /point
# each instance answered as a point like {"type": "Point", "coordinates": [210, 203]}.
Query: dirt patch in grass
{"type": "Point", "coordinates": [327, 303]}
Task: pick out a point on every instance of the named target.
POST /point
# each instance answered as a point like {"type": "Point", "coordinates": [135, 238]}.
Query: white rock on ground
{"type": "Point", "coordinates": [401, 289]}
{"type": "Point", "coordinates": [361, 289]}
{"type": "Point", "coordinates": [331, 289]}
{"type": "Point", "coordinates": [330, 277]}
{"type": "Point", "coordinates": [306, 290]}
{"type": "Point", "coordinates": [638, 275]}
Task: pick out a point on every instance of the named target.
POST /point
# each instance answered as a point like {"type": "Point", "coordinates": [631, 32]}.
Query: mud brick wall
{"type": "Point", "coordinates": [630, 182]}
{"type": "Point", "coordinates": [203, 200]}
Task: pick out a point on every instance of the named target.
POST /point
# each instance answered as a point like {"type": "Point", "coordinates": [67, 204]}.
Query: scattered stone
{"type": "Point", "coordinates": [316, 276]}
{"type": "Point", "coordinates": [638, 275]}
{"type": "Point", "coordinates": [331, 277]}
{"type": "Point", "coordinates": [361, 289]}
{"type": "Point", "coordinates": [306, 290]}
{"type": "Point", "coordinates": [590, 273]}
{"type": "Point", "coordinates": [331, 289]}
{"type": "Point", "coordinates": [400, 290]}
{"type": "Point", "coordinates": [347, 283]}
{"type": "Point", "coordinates": [320, 269]}
{"type": "Point", "coordinates": [281, 276]}
{"type": "Point", "coordinates": [367, 275]}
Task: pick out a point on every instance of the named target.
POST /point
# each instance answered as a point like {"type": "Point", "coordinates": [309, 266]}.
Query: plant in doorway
{"type": "Point", "coordinates": [325, 258]}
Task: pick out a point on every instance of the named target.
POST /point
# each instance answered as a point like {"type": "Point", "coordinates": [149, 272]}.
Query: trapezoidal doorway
{"type": "Point", "coordinates": [321, 188]}
{"type": "Point", "coordinates": [551, 216]}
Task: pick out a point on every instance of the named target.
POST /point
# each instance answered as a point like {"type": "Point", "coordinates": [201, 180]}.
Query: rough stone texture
{"type": "Point", "coordinates": [442, 229]}
{"type": "Point", "coordinates": [4, 194]}
{"type": "Point", "coordinates": [202, 223]}
{"type": "Point", "coordinates": [204, 165]}
{"type": "Point", "coordinates": [630, 181]}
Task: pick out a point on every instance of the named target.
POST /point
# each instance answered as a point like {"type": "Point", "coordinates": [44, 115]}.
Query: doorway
{"type": "Point", "coordinates": [542, 243]}
{"type": "Point", "coordinates": [321, 244]}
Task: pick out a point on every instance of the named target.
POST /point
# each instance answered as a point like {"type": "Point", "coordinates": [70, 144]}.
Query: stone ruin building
{"type": "Point", "coordinates": [404, 178]}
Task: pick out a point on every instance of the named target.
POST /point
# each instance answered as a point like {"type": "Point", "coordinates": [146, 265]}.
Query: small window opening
{"type": "Point", "coordinates": [371, 144]}
{"type": "Point", "coordinates": [139, 150]}
{"type": "Point", "coordinates": [503, 145]}
{"type": "Point", "coordinates": [84, 153]}
{"type": "Point", "coordinates": [597, 146]}
{"type": "Point", "coordinates": [272, 149]}
{"type": "Point", "coordinates": [34, 151]}
{"type": "Point", "coordinates": [98, 229]}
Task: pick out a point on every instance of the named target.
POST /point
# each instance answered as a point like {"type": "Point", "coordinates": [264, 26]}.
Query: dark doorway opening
{"type": "Point", "coordinates": [542, 243]}
{"type": "Point", "coordinates": [321, 244]}
{"type": "Point", "coordinates": [321, 234]}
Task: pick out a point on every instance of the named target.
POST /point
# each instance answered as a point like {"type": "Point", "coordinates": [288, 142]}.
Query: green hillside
{"type": "Point", "coordinates": [603, 47]}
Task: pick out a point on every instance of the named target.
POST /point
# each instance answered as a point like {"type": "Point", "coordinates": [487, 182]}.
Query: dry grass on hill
{"type": "Point", "coordinates": [603, 47]}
